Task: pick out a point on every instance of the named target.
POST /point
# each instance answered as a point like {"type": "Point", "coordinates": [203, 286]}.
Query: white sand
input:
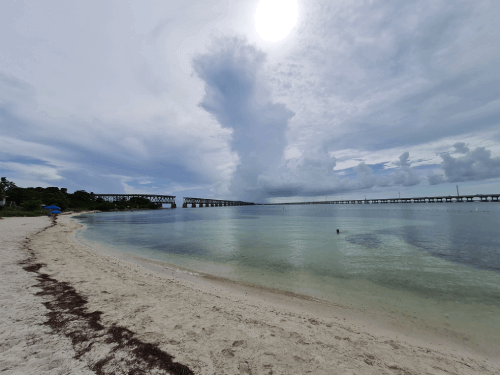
{"type": "Point", "coordinates": [26, 346]}
{"type": "Point", "coordinates": [211, 327]}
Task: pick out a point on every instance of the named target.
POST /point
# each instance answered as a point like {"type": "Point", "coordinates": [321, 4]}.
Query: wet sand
{"type": "Point", "coordinates": [103, 311]}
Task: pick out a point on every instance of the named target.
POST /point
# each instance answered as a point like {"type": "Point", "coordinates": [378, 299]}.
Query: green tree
{"type": "Point", "coordinates": [139, 201]}
{"type": "Point", "coordinates": [32, 204]}
{"type": "Point", "coordinates": [52, 195]}
{"type": "Point", "coordinates": [80, 199]}
{"type": "Point", "coordinates": [82, 195]}
{"type": "Point", "coordinates": [6, 185]}
{"type": "Point", "coordinates": [19, 195]}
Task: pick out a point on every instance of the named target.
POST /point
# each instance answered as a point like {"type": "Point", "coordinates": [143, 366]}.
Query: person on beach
{"type": "Point", "coordinates": [338, 232]}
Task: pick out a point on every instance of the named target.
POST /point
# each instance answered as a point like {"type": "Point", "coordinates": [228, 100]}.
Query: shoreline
{"type": "Point", "coordinates": [384, 317]}
{"type": "Point", "coordinates": [372, 321]}
{"type": "Point", "coordinates": [212, 325]}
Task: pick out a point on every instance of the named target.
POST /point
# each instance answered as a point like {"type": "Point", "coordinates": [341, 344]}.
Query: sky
{"type": "Point", "coordinates": [311, 100]}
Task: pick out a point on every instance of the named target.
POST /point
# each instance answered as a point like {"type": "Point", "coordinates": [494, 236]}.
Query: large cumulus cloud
{"type": "Point", "coordinates": [406, 176]}
{"type": "Point", "coordinates": [236, 94]}
{"type": "Point", "coordinates": [473, 165]}
{"type": "Point", "coordinates": [313, 174]}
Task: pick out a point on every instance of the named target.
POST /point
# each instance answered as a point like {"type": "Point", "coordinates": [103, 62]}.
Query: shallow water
{"type": "Point", "coordinates": [436, 262]}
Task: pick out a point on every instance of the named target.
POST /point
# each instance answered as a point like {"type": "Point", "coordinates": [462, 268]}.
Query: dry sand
{"type": "Point", "coordinates": [27, 346]}
{"type": "Point", "coordinates": [104, 315]}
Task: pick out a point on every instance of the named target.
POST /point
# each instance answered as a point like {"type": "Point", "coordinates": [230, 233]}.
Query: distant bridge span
{"type": "Point", "coordinates": [204, 202]}
{"type": "Point", "coordinates": [158, 199]}
{"type": "Point", "coordinates": [170, 199]}
{"type": "Point", "coordinates": [444, 199]}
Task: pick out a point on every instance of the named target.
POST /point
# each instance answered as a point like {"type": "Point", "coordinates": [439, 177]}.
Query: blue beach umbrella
{"type": "Point", "coordinates": [52, 207]}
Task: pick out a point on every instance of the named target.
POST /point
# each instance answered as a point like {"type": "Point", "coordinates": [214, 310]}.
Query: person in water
{"type": "Point", "coordinates": [338, 232]}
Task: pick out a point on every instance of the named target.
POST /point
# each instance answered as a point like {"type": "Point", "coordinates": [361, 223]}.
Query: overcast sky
{"type": "Point", "coordinates": [188, 98]}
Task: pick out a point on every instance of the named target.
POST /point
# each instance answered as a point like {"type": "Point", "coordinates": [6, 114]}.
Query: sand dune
{"type": "Point", "coordinates": [106, 315]}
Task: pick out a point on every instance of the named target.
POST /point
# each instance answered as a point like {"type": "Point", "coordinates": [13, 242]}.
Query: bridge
{"type": "Point", "coordinates": [170, 199]}
{"type": "Point", "coordinates": [158, 199]}
{"type": "Point", "coordinates": [203, 202]}
{"type": "Point", "coordinates": [439, 199]}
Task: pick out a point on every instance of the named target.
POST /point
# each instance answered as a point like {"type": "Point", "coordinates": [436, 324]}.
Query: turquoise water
{"type": "Point", "coordinates": [437, 261]}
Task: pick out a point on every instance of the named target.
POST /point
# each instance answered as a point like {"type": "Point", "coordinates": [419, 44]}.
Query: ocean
{"type": "Point", "coordinates": [433, 263]}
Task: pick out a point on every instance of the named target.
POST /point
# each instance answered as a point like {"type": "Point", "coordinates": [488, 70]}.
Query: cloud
{"type": "Point", "coordinates": [115, 103]}
{"type": "Point", "coordinates": [45, 173]}
{"type": "Point", "coordinates": [435, 178]}
{"type": "Point", "coordinates": [237, 95]}
{"type": "Point", "coordinates": [406, 176]}
{"type": "Point", "coordinates": [14, 90]}
{"type": "Point", "coordinates": [474, 165]}
{"type": "Point", "coordinates": [328, 110]}
{"type": "Point", "coordinates": [461, 148]}
{"type": "Point", "coordinates": [365, 177]}
{"type": "Point", "coordinates": [403, 160]}
{"type": "Point", "coordinates": [414, 74]}
{"type": "Point", "coordinates": [313, 174]}
{"type": "Point", "coordinates": [320, 164]}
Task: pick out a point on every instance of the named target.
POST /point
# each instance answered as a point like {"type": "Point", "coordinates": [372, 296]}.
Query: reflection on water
{"type": "Point", "coordinates": [429, 258]}
{"type": "Point", "coordinates": [377, 243]}
{"type": "Point", "coordinates": [369, 240]}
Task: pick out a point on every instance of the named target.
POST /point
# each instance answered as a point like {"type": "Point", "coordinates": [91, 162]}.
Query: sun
{"type": "Point", "coordinates": [274, 19]}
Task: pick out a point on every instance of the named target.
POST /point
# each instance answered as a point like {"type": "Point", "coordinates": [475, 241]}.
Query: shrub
{"type": "Point", "coordinates": [32, 205]}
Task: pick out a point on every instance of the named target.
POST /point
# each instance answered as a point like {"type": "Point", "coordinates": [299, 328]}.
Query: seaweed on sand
{"type": "Point", "coordinates": [107, 350]}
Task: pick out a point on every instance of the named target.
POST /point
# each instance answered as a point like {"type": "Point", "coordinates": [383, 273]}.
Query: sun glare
{"type": "Point", "coordinates": [274, 19]}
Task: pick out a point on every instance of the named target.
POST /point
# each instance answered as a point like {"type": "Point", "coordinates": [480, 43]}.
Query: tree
{"type": "Point", "coordinates": [139, 201]}
{"type": "Point", "coordinates": [19, 195]}
{"type": "Point", "coordinates": [52, 195]}
{"type": "Point", "coordinates": [82, 195]}
{"type": "Point", "coordinates": [32, 204]}
{"type": "Point", "coordinates": [5, 185]}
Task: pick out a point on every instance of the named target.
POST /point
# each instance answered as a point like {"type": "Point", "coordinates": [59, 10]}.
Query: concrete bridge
{"type": "Point", "coordinates": [439, 199]}
{"type": "Point", "coordinates": [158, 199]}
{"type": "Point", "coordinates": [203, 202]}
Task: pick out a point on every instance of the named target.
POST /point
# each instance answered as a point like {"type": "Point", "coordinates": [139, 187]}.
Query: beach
{"type": "Point", "coordinates": [106, 315]}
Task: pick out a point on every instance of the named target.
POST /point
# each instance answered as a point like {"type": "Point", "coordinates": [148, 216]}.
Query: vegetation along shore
{"type": "Point", "coordinates": [29, 202]}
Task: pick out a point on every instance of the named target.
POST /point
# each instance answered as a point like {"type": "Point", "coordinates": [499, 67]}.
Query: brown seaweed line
{"type": "Point", "coordinates": [68, 316]}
